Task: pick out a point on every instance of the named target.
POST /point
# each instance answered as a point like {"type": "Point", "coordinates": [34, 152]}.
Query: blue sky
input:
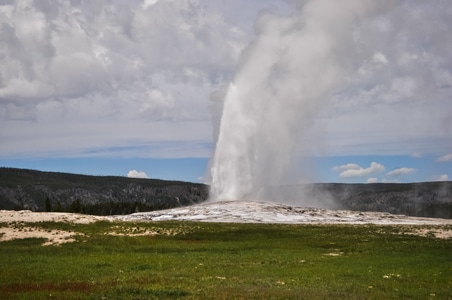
{"type": "Point", "coordinates": [185, 169]}
{"type": "Point", "coordinates": [128, 88]}
{"type": "Point", "coordinates": [195, 169]}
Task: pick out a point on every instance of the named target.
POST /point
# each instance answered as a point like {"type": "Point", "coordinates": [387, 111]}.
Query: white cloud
{"type": "Point", "coordinates": [101, 74]}
{"type": "Point", "coordinates": [399, 81]}
{"type": "Point", "coordinates": [416, 154]}
{"type": "Point", "coordinates": [443, 177]}
{"type": "Point", "coordinates": [136, 174]}
{"type": "Point", "coordinates": [372, 180]}
{"type": "Point", "coordinates": [347, 167]}
{"type": "Point", "coordinates": [401, 171]}
{"type": "Point", "coordinates": [379, 58]}
{"type": "Point", "coordinates": [445, 158]}
{"type": "Point", "coordinates": [92, 68]}
{"type": "Point", "coordinates": [354, 170]}
{"type": "Point", "coordinates": [385, 180]}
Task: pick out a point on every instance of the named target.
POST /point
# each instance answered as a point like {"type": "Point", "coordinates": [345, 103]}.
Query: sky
{"type": "Point", "coordinates": [128, 88]}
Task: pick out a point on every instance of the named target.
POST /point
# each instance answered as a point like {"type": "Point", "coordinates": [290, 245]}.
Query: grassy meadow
{"type": "Point", "coordinates": [187, 260]}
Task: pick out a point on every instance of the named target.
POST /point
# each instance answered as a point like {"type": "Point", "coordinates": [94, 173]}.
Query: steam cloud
{"type": "Point", "coordinates": [291, 71]}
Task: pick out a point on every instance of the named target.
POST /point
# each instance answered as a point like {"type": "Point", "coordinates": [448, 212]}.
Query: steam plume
{"type": "Point", "coordinates": [294, 64]}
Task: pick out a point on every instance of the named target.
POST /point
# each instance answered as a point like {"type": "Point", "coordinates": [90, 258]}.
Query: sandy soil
{"type": "Point", "coordinates": [18, 224]}
{"type": "Point", "coordinates": [31, 217]}
{"type": "Point", "coordinates": [15, 225]}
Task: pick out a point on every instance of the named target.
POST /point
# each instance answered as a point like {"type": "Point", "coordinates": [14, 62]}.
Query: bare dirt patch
{"type": "Point", "coordinates": [15, 225]}
{"type": "Point", "coordinates": [25, 224]}
{"type": "Point", "coordinates": [53, 237]}
{"type": "Point", "coordinates": [33, 217]}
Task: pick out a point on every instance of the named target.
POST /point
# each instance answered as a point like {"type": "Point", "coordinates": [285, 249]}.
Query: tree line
{"type": "Point", "coordinates": [105, 208]}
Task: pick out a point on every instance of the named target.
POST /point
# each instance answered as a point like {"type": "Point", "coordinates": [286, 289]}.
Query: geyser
{"type": "Point", "coordinates": [294, 63]}
{"type": "Point", "coordinates": [340, 59]}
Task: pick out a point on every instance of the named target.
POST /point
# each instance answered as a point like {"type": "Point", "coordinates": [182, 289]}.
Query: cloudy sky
{"type": "Point", "coordinates": [125, 87]}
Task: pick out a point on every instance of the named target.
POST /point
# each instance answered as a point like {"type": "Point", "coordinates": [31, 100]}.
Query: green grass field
{"type": "Point", "coordinates": [228, 261]}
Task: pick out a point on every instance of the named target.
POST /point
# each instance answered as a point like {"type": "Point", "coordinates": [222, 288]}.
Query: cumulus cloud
{"type": "Point", "coordinates": [347, 167]}
{"type": "Point", "coordinates": [407, 77]}
{"type": "Point", "coordinates": [125, 52]}
{"type": "Point", "coordinates": [360, 172]}
{"type": "Point", "coordinates": [385, 180]}
{"type": "Point", "coordinates": [372, 180]}
{"type": "Point", "coordinates": [115, 66]}
{"type": "Point", "coordinates": [445, 158]}
{"type": "Point", "coordinates": [401, 171]}
{"type": "Point", "coordinates": [416, 154]}
{"type": "Point", "coordinates": [354, 170]}
{"type": "Point", "coordinates": [443, 177]}
{"type": "Point", "coordinates": [80, 77]}
{"type": "Point", "coordinates": [136, 174]}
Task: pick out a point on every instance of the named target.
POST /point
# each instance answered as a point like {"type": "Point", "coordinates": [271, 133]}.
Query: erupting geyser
{"type": "Point", "coordinates": [294, 63]}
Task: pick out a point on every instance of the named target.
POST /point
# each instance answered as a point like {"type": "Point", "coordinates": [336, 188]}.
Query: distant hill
{"type": "Point", "coordinates": [99, 195]}
{"type": "Point", "coordinates": [420, 199]}
{"type": "Point", "coordinates": [110, 195]}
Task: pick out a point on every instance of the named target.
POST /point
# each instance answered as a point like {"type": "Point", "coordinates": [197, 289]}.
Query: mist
{"type": "Point", "coordinates": [296, 67]}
